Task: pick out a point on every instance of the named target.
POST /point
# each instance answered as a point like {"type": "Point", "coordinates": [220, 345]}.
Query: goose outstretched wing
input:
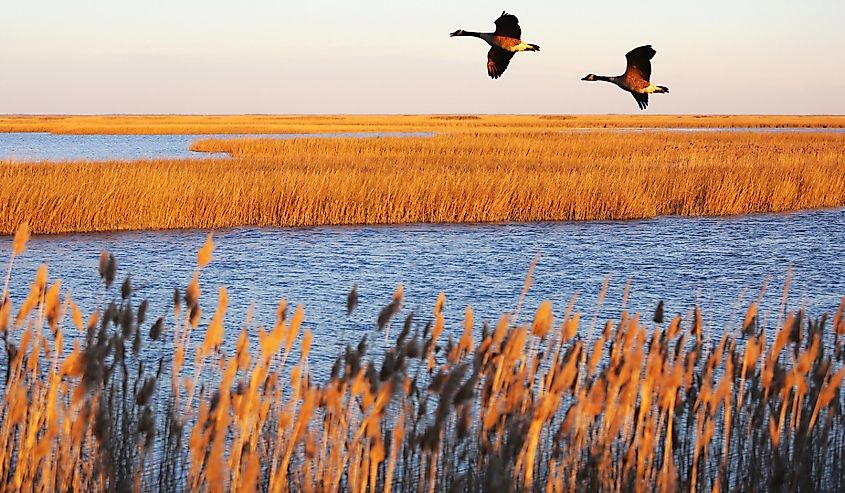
{"type": "Point", "coordinates": [497, 61]}
{"type": "Point", "coordinates": [508, 25]}
{"type": "Point", "coordinates": [642, 100]}
{"type": "Point", "coordinates": [638, 72]}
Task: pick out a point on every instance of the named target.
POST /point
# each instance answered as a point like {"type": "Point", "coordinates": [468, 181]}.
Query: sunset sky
{"type": "Point", "coordinates": [384, 56]}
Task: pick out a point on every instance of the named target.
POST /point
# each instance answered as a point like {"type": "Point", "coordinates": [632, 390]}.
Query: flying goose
{"type": "Point", "coordinates": [636, 77]}
{"type": "Point", "coordinates": [504, 42]}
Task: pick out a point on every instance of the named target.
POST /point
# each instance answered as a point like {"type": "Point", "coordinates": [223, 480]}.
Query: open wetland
{"type": "Point", "coordinates": [461, 303]}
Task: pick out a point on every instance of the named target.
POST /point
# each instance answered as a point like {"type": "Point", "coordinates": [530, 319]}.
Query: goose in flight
{"type": "Point", "coordinates": [504, 42]}
{"type": "Point", "coordinates": [636, 77]}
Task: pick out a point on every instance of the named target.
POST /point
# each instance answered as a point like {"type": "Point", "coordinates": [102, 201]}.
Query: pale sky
{"type": "Point", "coordinates": [380, 56]}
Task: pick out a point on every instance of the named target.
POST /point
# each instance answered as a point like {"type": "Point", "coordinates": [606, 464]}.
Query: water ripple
{"type": "Point", "coordinates": [712, 262]}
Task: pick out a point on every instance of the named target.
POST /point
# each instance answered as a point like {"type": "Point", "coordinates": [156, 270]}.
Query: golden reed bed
{"type": "Point", "coordinates": [233, 124]}
{"type": "Point", "coordinates": [127, 400]}
{"type": "Point", "coordinates": [452, 178]}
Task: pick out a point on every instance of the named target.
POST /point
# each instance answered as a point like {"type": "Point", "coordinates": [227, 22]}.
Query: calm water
{"type": "Point", "coordinates": [25, 146]}
{"type": "Point", "coordinates": [713, 262]}
{"type": "Point", "coordinates": [717, 263]}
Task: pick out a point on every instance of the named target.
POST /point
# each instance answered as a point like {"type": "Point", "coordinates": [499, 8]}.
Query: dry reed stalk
{"type": "Point", "coordinates": [638, 408]}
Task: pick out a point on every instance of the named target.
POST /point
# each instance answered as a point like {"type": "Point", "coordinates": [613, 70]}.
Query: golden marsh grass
{"type": "Point", "coordinates": [234, 124]}
{"type": "Point", "coordinates": [451, 178]}
{"type": "Point", "coordinates": [122, 400]}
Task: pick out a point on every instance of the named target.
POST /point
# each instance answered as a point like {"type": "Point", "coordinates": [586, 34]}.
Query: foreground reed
{"type": "Point", "coordinates": [455, 178]}
{"type": "Point", "coordinates": [116, 402]}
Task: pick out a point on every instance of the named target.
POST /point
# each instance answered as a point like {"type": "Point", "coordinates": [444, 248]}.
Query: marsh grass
{"type": "Point", "coordinates": [234, 124]}
{"type": "Point", "coordinates": [118, 401]}
{"type": "Point", "coordinates": [453, 178]}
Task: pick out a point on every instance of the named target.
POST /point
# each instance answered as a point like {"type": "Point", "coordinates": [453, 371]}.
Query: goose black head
{"type": "Point", "coordinates": [459, 32]}
{"type": "Point", "coordinates": [590, 77]}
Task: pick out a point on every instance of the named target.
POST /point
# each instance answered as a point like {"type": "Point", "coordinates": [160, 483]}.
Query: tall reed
{"type": "Point", "coordinates": [121, 401]}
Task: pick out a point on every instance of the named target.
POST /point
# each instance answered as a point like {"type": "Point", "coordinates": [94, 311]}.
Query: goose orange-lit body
{"type": "Point", "coordinates": [636, 78]}
{"type": "Point", "coordinates": [504, 42]}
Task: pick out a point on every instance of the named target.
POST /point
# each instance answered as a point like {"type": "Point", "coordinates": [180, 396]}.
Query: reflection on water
{"type": "Point", "coordinates": [713, 262]}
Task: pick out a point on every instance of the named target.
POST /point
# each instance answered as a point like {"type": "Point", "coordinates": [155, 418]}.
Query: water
{"type": "Point", "coordinates": [26, 146]}
{"type": "Point", "coordinates": [712, 262]}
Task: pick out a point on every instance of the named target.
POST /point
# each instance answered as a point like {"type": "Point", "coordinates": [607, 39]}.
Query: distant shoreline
{"type": "Point", "coordinates": [247, 124]}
